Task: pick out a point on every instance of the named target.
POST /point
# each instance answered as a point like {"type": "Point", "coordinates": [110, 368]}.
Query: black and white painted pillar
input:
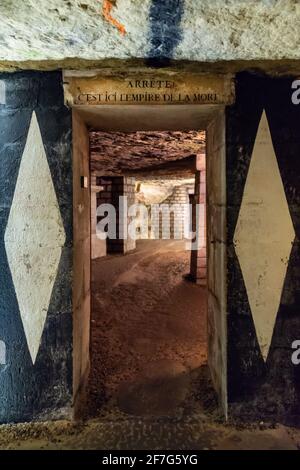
{"type": "Point", "coordinates": [35, 248]}
{"type": "Point", "coordinates": [263, 286]}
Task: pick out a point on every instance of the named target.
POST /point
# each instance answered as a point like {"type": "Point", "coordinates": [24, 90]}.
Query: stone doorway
{"type": "Point", "coordinates": [130, 119]}
{"type": "Point", "coordinates": [148, 315]}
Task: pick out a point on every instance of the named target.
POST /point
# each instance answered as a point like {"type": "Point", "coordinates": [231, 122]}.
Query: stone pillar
{"type": "Point", "coordinates": [216, 255]}
{"type": "Point", "coordinates": [198, 255]}
{"type": "Point", "coordinates": [35, 248]}
{"type": "Point", "coordinates": [98, 246]}
{"type": "Point", "coordinates": [263, 250]}
{"type": "Point", "coordinates": [114, 188]}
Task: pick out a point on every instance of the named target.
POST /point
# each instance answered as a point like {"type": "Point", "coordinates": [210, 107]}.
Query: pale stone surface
{"type": "Point", "coordinates": [155, 191]}
{"type": "Point", "coordinates": [240, 30]}
{"type": "Point", "coordinates": [211, 31]}
{"type": "Point", "coordinates": [57, 29]}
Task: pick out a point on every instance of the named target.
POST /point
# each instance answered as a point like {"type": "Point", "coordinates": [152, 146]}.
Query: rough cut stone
{"type": "Point", "coordinates": [114, 152]}
{"type": "Point", "coordinates": [55, 30]}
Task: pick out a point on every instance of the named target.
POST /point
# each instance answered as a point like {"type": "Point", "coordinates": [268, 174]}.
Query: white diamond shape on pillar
{"type": "Point", "coordinates": [34, 237]}
{"type": "Point", "coordinates": [263, 236]}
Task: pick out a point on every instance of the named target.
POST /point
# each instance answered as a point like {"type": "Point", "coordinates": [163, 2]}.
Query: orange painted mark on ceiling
{"type": "Point", "coordinates": [106, 11]}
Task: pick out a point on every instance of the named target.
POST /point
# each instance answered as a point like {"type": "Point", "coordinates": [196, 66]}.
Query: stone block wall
{"type": "Point", "coordinates": [173, 226]}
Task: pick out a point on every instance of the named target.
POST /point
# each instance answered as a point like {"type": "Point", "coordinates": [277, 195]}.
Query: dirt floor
{"type": "Point", "coordinates": [149, 385]}
{"type": "Point", "coordinates": [194, 433]}
{"type": "Point", "coordinates": [148, 330]}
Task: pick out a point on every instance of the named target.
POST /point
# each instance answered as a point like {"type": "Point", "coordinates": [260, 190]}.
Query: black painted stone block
{"type": "Point", "coordinates": [14, 124]}
{"type": "Point", "coordinates": [165, 29]}
{"type": "Point", "coordinates": [257, 389]}
{"type": "Point", "coordinates": [42, 390]}
{"type": "Point", "coordinates": [32, 89]}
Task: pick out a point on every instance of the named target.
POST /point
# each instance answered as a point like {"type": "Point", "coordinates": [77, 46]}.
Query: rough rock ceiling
{"type": "Point", "coordinates": [206, 31]}
{"type": "Point", "coordinates": [112, 153]}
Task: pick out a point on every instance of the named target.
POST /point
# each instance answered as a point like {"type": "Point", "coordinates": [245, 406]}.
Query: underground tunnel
{"type": "Point", "coordinates": [148, 293]}
{"type": "Point", "coordinates": [146, 342]}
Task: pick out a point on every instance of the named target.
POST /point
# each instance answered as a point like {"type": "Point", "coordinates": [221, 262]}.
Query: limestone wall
{"type": "Point", "coordinates": [196, 30]}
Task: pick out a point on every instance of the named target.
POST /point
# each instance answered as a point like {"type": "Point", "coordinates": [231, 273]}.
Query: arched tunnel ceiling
{"type": "Point", "coordinates": [117, 152]}
{"type": "Point", "coordinates": [45, 33]}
